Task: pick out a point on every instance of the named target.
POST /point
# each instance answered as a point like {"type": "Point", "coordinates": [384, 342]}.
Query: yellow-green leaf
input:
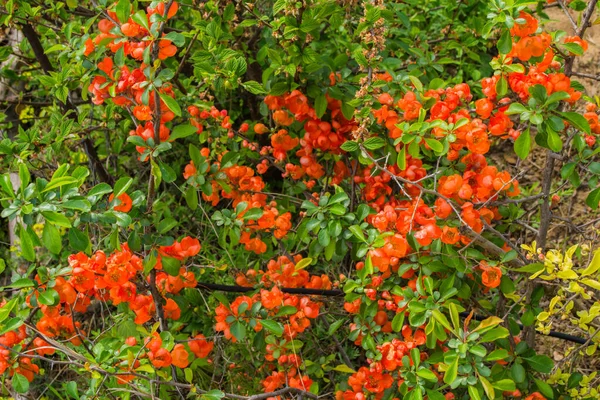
{"type": "Point", "coordinates": [305, 262]}
{"type": "Point", "coordinates": [489, 389]}
{"type": "Point", "coordinates": [488, 323]}
{"type": "Point", "coordinates": [594, 265]}
{"type": "Point", "coordinates": [344, 368]}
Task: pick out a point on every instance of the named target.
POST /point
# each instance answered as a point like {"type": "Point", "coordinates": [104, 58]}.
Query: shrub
{"type": "Point", "coordinates": [261, 200]}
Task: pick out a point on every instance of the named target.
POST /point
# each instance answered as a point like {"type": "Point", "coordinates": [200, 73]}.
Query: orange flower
{"type": "Point", "coordinates": [190, 170]}
{"type": "Point", "coordinates": [271, 299]}
{"type": "Point", "coordinates": [283, 118]}
{"type": "Point", "coordinates": [535, 396]}
{"type": "Point", "coordinates": [477, 141]}
{"type": "Point", "coordinates": [42, 347]}
{"type": "Point", "coordinates": [27, 369]}
{"type": "Point", "coordinates": [160, 358]}
{"type": "Point", "coordinates": [82, 279]}
{"type": "Point", "coordinates": [385, 99]}
{"type": "Point", "coordinates": [125, 202]}
{"type": "Point", "coordinates": [484, 107]}
{"type": "Point", "coordinates": [89, 47]}
{"type": "Point", "coordinates": [450, 185]}
{"type": "Point", "coordinates": [491, 276]}
{"type": "Point", "coordinates": [260, 129]}
{"type": "Point", "coordinates": [172, 310]}
{"type": "Point", "coordinates": [131, 29]}
{"type": "Point", "coordinates": [143, 113]}
{"type": "Point", "coordinates": [179, 356]}
{"type": "Point", "coordinates": [166, 49]}
{"type": "Point", "coordinates": [200, 346]}
{"type": "Point", "coordinates": [526, 28]}
{"type": "Point", "coordinates": [450, 235]}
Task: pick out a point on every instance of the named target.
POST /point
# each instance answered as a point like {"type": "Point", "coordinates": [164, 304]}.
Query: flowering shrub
{"type": "Point", "coordinates": [260, 200]}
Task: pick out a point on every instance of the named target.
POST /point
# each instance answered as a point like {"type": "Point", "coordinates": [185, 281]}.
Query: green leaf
{"type": "Point", "coordinates": [398, 321]}
{"type": "Point", "coordinates": [213, 394]}
{"type": "Point", "coordinates": [401, 160]}
{"type": "Point", "coordinates": [509, 256]}
{"type": "Point", "coordinates": [11, 325]}
{"type": "Point", "coordinates": [51, 238]}
{"type": "Point", "coordinates": [435, 395]}
{"type": "Point", "coordinates": [24, 175]}
{"type": "Point", "coordinates": [452, 372]}
{"type": "Point", "coordinates": [71, 389]}
{"type": "Point", "coordinates": [554, 141]}
{"type": "Point", "coordinates": [416, 83]}
{"type": "Point", "coordinates": [140, 18]}
{"type": "Point", "coordinates": [473, 392]}
{"type": "Point", "coordinates": [498, 332]}
{"type": "Point", "coordinates": [22, 283]}
{"type": "Point", "coordinates": [435, 145]}
{"type": "Point", "coordinates": [19, 383]}
{"type": "Point", "coordinates": [123, 10]}
{"type": "Point", "coordinates": [478, 350]}
{"type": "Point", "coordinates": [178, 40]}
{"type": "Point", "coordinates": [58, 182]}
{"type": "Point", "coordinates": [335, 326]}
{"type": "Point", "coordinates": [505, 42]}
{"type": "Point", "coordinates": [253, 214]}
{"type": "Point", "coordinates": [498, 354]}
{"type": "Point", "coordinates": [540, 363]}
{"type": "Point", "coordinates": [181, 131]}
{"type": "Point", "coordinates": [7, 308]}
{"type": "Point", "coordinates": [349, 145]}
{"type": "Point", "coordinates": [78, 205]}
{"type": "Point", "coordinates": [26, 244]}
{"type": "Point", "coordinates": [545, 389]}
{"type": "Point", "coordinates": [577, 120]}
{"type": "Point", "coordinates": [56, 218]}
{"type": "Point", "coordinates": [523, 144]}
{"type": "Point", "coordinates": [320, 105]}
{"type": "Point", "coordinates": [272, 326]}
{"type": "Point", "coordinates": [518, 373]}
{"type": "Point", "coordinates": [171, 103]}
{"type": "Point", "coordinates": [516, 108]}
{"type": "Point", "coordinates": [501, 87]}
{"type": "Point", "coordinates": [374, 143]}
{"type": "Point", "coordinates": [238, 330]}
{"type": "Point", "coordinates": [347, 111]}
{"type": "Point", "coordinates": [100, 189]}
{"type": "Point", "coordinates": [530, 268]}
{"type": "Point", "coordinates": [166, 225]}
{"type": "Point", "coordinates": [441, 318]}
{"type": "Point", "coordinates": [593, 199]}
{"type": "Point", "coordinates": [170, 265]}
{"type": "Point", "coordinates": [506, 385]}
{"type": "Point", "coordinates": [427, 375]}
{"type": "Point", "coordinates": [574, 48]}
{"type": "Point", "coordinates": [254, 87]}
{"type": "Point", "coordinates": [286, 310]}
{"type": "Point", "coordinates": [6, 185]}
{"type": "Point", "coordinates": [538, 92]}
{"type": "Point", "coordinates": [50, 297]}
{"type": "Point", "coordinates": [79, 240]}
{"type": "Point", "coordinates": [556, 97]}
{"type": "Point", "coordinates": [191, 198]}
{"type": "Point", "coordinates": [358, 233]}
{"type": "Point", "coordinates": [122, 185]}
